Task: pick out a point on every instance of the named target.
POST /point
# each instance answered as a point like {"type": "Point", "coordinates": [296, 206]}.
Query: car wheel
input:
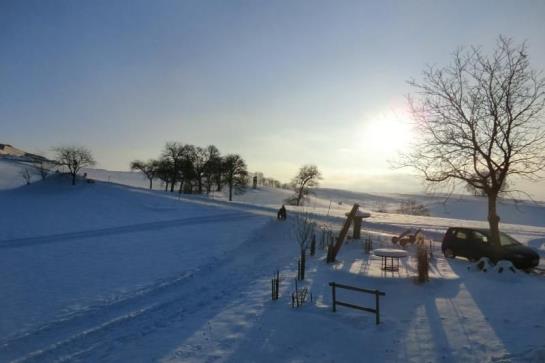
{"type": "Point", "coordinates": [449, 253]}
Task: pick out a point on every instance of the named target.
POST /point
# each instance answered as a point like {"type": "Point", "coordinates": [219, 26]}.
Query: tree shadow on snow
{"type": "Point", "coordinates": [503, 312]}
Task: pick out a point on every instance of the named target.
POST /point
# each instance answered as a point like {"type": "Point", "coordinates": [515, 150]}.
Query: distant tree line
{"type": "Point", "coordinates": [412, 207]}
{"type": "Point", "coordinates": [191, 169]}
{"type": "Point", "coordinates": [267, 182]}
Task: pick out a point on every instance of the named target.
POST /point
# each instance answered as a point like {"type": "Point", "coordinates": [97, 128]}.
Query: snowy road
{"type": "Point", "coordinates": [189, 281]}
{"type": "Point", "coordinates": [151, 226]}
{"type": "Point", "coordinates": [159, 308]}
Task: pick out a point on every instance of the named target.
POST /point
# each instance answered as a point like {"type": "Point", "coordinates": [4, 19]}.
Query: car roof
{"type": "Point", "coordinates": [482, 230]}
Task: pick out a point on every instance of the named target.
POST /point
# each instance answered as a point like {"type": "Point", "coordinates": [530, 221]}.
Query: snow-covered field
{"type": "Point", "coordinates": [106, 272]}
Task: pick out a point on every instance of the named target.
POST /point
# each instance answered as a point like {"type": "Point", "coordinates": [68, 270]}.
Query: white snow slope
{"type": "Point", "coordinates": [109, 273]}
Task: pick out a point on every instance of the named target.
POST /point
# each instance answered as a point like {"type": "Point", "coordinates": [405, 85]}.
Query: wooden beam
{"type": "Point", "coordinates": [344, 231]}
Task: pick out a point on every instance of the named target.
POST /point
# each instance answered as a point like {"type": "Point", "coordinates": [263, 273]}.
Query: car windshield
{"type": "Point", "coordinates": [506, 240]}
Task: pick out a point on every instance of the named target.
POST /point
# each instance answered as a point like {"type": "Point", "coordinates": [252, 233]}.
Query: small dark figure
{"type": "Point", "coordinates": [281, 215]}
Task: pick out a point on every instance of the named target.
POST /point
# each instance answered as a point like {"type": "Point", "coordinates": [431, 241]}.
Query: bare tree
{"type": "Point", "coordinates": [26, 175]}
{"type": "Point", "coordinates": [199, 165]}
{"type": "Point", "coordinates": [186, 171]}
{"type": "Point", "coordinates": [480, 121]}
{"type": "Point", "coordinates": [74, 158]}
{"type": "Point", "coordinates": [43, 168]}
{"type": "Point", "coordinates": [164, 172]}
{"type": "Point", "coordinates": [149, 168]}
{"type": "Point", "coordinates": [235, 174]}
{"type": "Point", "coordinates": [212, 167]}
{"type": "Point", "coordinates": [303, 230]}
{"type": "Point", "coordinates": [307, 177]}
{"type": "Point", "coordinates": [173, 154]}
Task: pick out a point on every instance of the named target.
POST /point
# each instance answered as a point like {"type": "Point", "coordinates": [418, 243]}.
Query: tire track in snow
{"type": "Point", "coordinates": [83, 320]}
{"type": "Point", "coordinates": [124, 321]}
{"type": "Point", "coordinates": [141, 227]}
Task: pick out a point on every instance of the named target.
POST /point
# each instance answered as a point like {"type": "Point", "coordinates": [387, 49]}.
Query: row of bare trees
{"type": "Point", "coordinates": [194, 169]}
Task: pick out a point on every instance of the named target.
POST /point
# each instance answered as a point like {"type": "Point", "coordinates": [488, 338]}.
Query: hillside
{"type": "Point", "coordinates": [456, 207]}
{"type": "Point", "coordinates": [111, 273]}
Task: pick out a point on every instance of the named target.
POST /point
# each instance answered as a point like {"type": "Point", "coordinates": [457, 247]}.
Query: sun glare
{"type": "Point", "coordinates": [386, 133]}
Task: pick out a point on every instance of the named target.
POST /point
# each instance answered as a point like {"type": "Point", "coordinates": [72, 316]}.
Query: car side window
{"type": "Point", "coordinates": [480, 237]}
{"type": "Point", "coordinates": [461, 235]}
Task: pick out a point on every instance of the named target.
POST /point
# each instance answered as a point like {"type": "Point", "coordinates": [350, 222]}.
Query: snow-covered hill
{"type": "Point", "coordinates": [455, 207]}
{"type": "Point", "coordinates": [10, 174]}
{"type": "Point", "coordinates": [113, 273]}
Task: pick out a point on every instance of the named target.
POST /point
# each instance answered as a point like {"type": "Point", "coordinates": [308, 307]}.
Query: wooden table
{"type": "Point", "coordinates": [390, 254]}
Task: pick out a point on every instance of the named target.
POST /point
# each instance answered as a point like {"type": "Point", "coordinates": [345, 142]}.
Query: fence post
{"type": "Point", "coordinates": [334, 298]}
{"type": "Point", "coordinates": [296, 294]}
{"type": "Point", "coordinates": [277, 289]}
{"type": "Point", "coordinates": [377, 308]}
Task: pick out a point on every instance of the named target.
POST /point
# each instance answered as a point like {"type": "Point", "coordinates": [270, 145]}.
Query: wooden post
{"type": "Point", "coordinates": [344, 230]}
{"type": "Point", "coordinates": [377, 307]}
{"type": "Point", "coordinates": [356, 226]}
{"type": "Point", "coordinates": [302, 267]}
{"type": "Point", "coordinates": [277, 284]}
{"type": "Point", "coordinates": [296, 295]}
{"type": "Point", "coordinates": [322, 239]}
{"type": "Point", "coordinates": [329, 258]}
{"type": "Point", "coordinates": [334, 297]}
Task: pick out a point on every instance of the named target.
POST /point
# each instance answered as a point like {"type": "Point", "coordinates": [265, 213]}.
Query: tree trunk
{"type": "Point", "coordinates": [208, 185]}
{"type": "Point", "coordinates": [300, 194]}
{"type": "Point", "coordinates": [188, 187]}
{"type": "Point", "coordinates": [151, 184]}
{"type": "Point", "coordinates": [303, 263]}
{"type": "Point", "coordinates": [199, 183]}
{"type": "Point", "coordinates": [230, 192]}
{"type": "Point", "coordinates": [74, 178]}
{"type": "Point", "coordinates": [493, 219]}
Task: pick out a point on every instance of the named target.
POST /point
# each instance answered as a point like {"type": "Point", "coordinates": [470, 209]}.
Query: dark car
{"type": "Point", "coordinates": [475, 243]}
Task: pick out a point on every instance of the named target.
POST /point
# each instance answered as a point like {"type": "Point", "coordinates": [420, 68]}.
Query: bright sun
{"type": "Point", "coordinates": [386, 133]}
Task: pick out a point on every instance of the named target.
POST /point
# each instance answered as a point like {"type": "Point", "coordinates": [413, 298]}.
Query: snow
{"type": "Point", "coordinates": [389, 252]}
{"type": "Point", "coordinates": [117, 273]}
{"type": "Point", "coordinates": [10, 176]}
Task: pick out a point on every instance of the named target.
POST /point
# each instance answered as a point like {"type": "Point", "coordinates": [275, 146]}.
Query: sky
{"type": "Point", "coordinates": [283, 83]}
